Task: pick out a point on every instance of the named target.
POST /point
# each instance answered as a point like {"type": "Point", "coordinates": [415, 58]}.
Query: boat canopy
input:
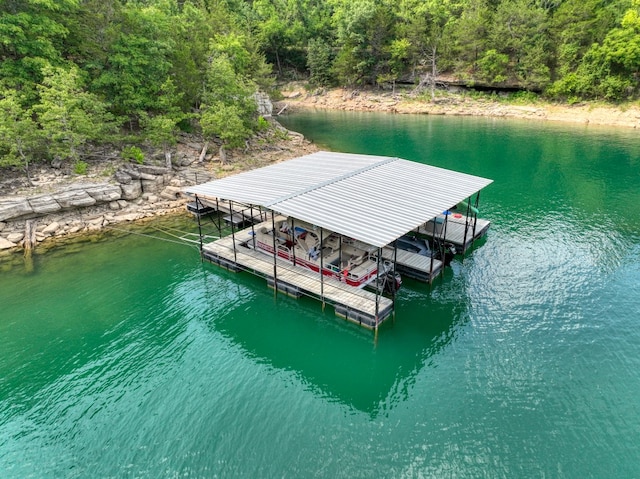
{"type": "Point", "coordinates": [374, 199]}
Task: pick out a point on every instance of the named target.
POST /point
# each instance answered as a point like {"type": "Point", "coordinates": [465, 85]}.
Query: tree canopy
{"type": "Point", "coordinates": [72, 71]}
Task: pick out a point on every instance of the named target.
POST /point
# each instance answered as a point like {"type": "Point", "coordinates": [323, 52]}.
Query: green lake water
{"type": "Point", "coordinates": [128, 357]}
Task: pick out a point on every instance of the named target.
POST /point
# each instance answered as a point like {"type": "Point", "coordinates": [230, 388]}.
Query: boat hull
{"type": "Point", "coordinates": [330, 271]}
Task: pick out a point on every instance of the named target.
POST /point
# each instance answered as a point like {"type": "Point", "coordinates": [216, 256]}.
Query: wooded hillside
{"type": "Point", "coordinates": [79, 71]}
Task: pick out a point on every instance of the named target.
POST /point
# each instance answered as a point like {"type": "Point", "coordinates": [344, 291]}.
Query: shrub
{"type": "Point", "coordinates": [133, 153]}
{"type": "Point", "coordinates": [80, 167]}
{"type": "Point", "coordinates": [262, 124]}
{"type": "Point", "coordinates": [523, 97]}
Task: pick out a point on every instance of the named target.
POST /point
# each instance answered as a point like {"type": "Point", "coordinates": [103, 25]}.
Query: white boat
{"type": "Point", "coordinates": [306, 246]}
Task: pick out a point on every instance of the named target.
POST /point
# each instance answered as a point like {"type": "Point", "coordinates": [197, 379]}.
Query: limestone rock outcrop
{"type": "Point", "coordinates": [138, 191]}
{"type": "Point", "coordinates": [14, 207]}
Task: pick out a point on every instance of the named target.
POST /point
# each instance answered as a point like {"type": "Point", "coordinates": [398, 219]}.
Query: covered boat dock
{"type": "Point", "coordinates": [371, 200]}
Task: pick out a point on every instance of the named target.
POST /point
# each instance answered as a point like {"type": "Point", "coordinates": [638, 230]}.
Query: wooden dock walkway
{"type": "Point", "coordinates": [356, 305]}
{"type": "Point", "coordinates": [413, 265]}
{"type": "Point", "coordinates": [241, 213]}
{"type": "Point", "coordinates": [240, 210]}
{"type": "Point", "coordinates": [455, 232]}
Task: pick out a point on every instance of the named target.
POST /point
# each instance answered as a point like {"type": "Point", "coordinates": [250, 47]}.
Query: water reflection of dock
{"type": "Point", "coordinates": [341, 362]}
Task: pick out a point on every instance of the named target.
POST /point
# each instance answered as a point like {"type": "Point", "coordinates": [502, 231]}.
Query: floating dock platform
{"type": "Point", "coordinates": [356, 305]}
{"type": "Point", "coordinates": [234, 212]}
{"type": "Point", "coordinates": [413, 265]}
{"type": "Point", "coordinates": [454, 230]}
{"type": "Point", "coordinates": [372, 200]}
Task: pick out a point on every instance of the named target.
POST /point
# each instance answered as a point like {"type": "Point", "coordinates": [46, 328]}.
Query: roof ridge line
{"type": "Point", "coordinates": [332, 180]}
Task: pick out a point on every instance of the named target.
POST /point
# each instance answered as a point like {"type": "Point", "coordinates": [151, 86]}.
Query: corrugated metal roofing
{"type": "Point", "coordinates": [374, 199]}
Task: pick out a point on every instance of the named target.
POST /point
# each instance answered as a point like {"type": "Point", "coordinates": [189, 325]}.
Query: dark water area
{"type": "Point", "coordinates": [128, 357]}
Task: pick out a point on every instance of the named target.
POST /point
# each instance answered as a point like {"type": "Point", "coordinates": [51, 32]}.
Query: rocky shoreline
{"type": "Point", "coordinates": [63, 205]}
{"type": "Point", "coordinates": [296, 96]}
{"type": "Point", "coordinates": [87, 207]}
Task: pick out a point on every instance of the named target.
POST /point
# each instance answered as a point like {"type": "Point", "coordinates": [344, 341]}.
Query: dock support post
{"type": "Point", "coordinates": [233, 234]}
{"type": "Point", "coordinates": [321, 272]}
{"type": "Point", "coordinates": [275, 256]}
{"type": "Point", "coordinates": [253, 232]}
{"type": "Point", "coordinates": [295, 239]}
{"type": "Point", "coordinates": [378, 287]}
{"type": "Point", "coordinates": [432, 256]}
{"type": "Point", "coordinates": [395, 286]}
{"type": "Point", "coordinates": [198, 204]}
{"type": "Point", "coordinates": [466, 226]}
{"type": "Point", "coordinates": [443, 248]}
{"type": "Point", "coordinates": [218, 222]}
{"type": "Point", "coordinates": [475, 217]}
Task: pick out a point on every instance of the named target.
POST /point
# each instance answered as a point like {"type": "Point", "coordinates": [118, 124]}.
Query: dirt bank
{"type": "Point", "coordinates": [296, 96]}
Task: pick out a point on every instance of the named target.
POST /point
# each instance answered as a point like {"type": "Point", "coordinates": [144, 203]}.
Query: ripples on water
{"type": "Point", "coordinates": [130, 358]}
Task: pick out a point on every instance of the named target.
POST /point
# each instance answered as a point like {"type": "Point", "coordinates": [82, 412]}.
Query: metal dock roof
{"type": "Point", "coordinates": [374, 199]}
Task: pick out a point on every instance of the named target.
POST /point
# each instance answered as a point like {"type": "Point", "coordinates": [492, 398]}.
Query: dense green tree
{"type": "Point", "coordinates": [32, 34]}
{"type": "Point", "coordinates": [398, 51]}
{"type": "Point", "coordinates": [68, 115]}
{"type": "Point", "coordinates": [245, 59]}
{"type": "Point", "coordinates": [229, 110]}
{"type": "Point", "coordinates": [276, 32]}
{"type": "Point", "coordinates": [93, 29]}
{"type": "Point", "coordinates": [285, 27]}
{"type": "Point", "coordinates": [161, 125]}
{"type": "Point", "coordinates": [20, 138]}
{"type": "Point", "coordinates": [610, 69]}
{"type": "Point", "coordinates": [621, 46]}
{"type": "Point", "coordinates": [65, 63]}
{"type": "Point", "coordinates": [493, 66]}
{"type": "Point", "coordinates": [470, 35]}
{"type": "Point", "coordinates": [138, 61]}
{"type": "Point", "coordinates": [574, 27]}
{"type": "Point", "coordinates": [518, 31]}
{"type": "Point", "coordinates": [319, 63]}
{"type": "Point", "coordinates": [428, 26]}
{"type": "Point", "coordinates": [193, 29]}
{"type": "Point", "coordinates": [364, 33]}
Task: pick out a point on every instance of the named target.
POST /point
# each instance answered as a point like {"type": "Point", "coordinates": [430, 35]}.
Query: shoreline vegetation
{"type": "Point", "coordinates": [68, 224]}
{"type": "Point", "coordinates": [63, 206]}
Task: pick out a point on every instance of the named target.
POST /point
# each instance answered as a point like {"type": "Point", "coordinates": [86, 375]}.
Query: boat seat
{"type": "Point", "coordinates": [356, 260]}
{"type": "Point", "coordinates": [312, 241]}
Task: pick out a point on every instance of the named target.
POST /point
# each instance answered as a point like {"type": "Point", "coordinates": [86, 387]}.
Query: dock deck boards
{"type": "Point", "coordinates": [414, 265]}
{"type": "Point", "coordinates": [240, 211]}
{"type": "Point", "coordinates": [333, 291]}
{"type": "Point", "coordinates": [455, 232]}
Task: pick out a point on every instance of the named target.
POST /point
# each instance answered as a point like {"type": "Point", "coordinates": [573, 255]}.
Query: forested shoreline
{"type": "Point", "coordinates": [80, 72]}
